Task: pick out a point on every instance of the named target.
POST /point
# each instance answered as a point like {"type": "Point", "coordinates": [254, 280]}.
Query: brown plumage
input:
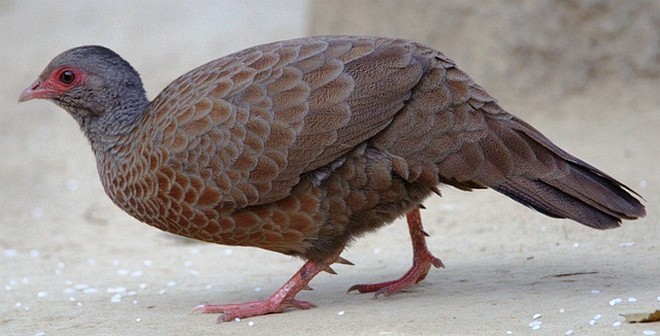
{"type": "Point", "coordinates": [301, 146]}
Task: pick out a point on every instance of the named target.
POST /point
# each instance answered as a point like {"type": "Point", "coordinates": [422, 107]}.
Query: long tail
{"type": "Point", "coordinates": [575, 190]}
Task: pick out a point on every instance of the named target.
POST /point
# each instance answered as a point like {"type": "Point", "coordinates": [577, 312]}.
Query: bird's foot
{"type": "Point", "coordinates": [230, 312]}
{"type": "Point", "coordinates": [281, 300]}
{"type": "Point", "coordinates": [422, 262]}
{"type": "Point", "coordinates": [415, 274]}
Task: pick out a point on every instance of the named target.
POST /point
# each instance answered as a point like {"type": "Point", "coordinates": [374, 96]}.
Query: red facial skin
{"type": "Point", "coordinates": [55, 84]}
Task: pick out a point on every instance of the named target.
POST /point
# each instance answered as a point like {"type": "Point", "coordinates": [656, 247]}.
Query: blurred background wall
{"type": "Point", "coordinates": [515, 47]}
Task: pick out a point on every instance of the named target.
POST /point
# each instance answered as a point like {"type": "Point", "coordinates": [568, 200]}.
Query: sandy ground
{"type": "Point", "coordinates": [71, 263]}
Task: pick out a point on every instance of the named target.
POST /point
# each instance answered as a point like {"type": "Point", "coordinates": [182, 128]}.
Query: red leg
{"type": "Point", "coordinates": [281, 300]}
{"type": "Point", "coordinates": [422, 261]}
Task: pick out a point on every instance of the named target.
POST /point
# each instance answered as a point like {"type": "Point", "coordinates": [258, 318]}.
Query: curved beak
{"type": "Point", "coordinates": [36, 90]}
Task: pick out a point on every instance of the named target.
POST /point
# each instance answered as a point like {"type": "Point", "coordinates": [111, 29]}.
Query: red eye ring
{"type": "Point", "coordinates": [66, 76]}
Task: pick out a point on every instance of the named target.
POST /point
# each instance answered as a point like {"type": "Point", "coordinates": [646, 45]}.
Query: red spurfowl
{"type": "Point", "coordinates": [302, 146]}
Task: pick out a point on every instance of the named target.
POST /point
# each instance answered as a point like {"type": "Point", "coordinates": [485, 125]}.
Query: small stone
{"type": "Point", "coordinates": [615, 302]}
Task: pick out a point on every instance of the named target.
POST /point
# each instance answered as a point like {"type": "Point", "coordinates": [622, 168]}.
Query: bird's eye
{"type": "Point", "coordinates": [67, 76]}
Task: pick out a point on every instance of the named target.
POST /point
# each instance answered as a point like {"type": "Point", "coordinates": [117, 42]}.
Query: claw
{"type": "Point", "coordinates": [329, 270]}
{"type": "Point", "coordinates": [341, 260]}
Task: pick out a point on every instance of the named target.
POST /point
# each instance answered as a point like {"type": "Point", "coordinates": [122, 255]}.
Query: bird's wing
{"type": "Point", "coordinates": [253, 123]}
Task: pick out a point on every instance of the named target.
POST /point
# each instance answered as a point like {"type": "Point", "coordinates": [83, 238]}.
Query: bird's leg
{"type": "Point", "coordinates": [282, 299]}
{"type": "Point", "coordinates": [422, 261]}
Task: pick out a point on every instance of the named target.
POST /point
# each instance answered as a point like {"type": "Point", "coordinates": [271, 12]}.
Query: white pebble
{"type": "Point", "coordinates": [597, 317]}
{"type": "Point", "coordinates": [658, 298]}
{"type": "Point", "coordinates": [137, 274]}
{"type": "Point", "coordinates": [143, 286]}
{"type": "Point", "coordinates": [251, 323]}
{"type": "Point", "coordinates": [25, 281]}
{"type": "Point", "coordinates": [535, 324]}
{"type": "Point", "coordinates": [162, 291]}
{"type": "Point", "coordinates": [116, 298]}
{"type": "Point", "coordinates": [68, 290]}
{"type": "Point", "coordinates": [648, 332]}
{"type": "Point", "coordinates": [569, 332]}
{"type": "Point", "coordinates": [42, 295]}
{"type": "Point", "coordinates": [171, 283]}
{"type": "Point", "coordinates": [258, 289]}
{"type": "Point", "coordinates": [61, 265]}
{"type": "Point", "coordinates": [561, 310]}
{"type": "Point", "coordinates": [72, 299]}
{"type": "Point", "coordinates": [209, 286]}
{"type": "Point", "coordinates": [632, 299]}
{"type": "Point", "coordinates": [376, 250]}
{"type": "Point", "coordinates": [72, 184]}
{"type": "Point", "coordinates": [90, 290]}
{"type": "Point", "coordinates": [536, 316]}
{"type": "Point", "coordinates": [194, 250]}
{"type": "Point", "coordinates": [138, 319]}
{"type": "Point", "coordinates": [595, 291]}
{"type": "Point", "coordinates": [509, 332]}
{"type": "Point", "coordinates": [592, 322]}
{"type": "Point", "coordinates": [615, 302]}
{"type": "Point", "coordinates": [80, 286]}
{"type": "Point", "coordinates": [340, 313]}
{"type": "Point", "coordinates": [7, 288]}
{"type": "Point", "coordinates": [627, 244]}
{"type": "Point", "coordinates": [135, 302]}
{"type": "Point", "coordinates": [238, 319]}
{"type": "Point", "coordinates": [11, 253]}
{"type": "Point", "coordinates": [116, 290]}
{"type": "Point", "coordinates": [147, 262]}
{"type": "Point", "coordinates": [576, 244]}
{"type": "Point", "coordinates": [616, 324]}
{"type": "Point", "coordinates": [229, 252]}
{"type": "Point", "coordinates": [40, 333]}
{"type": "Point", "coordinates": [18, 304]}
{"type": "Point", "coordinates": [37, 212]}
{"type": "Point", "coordinates": [79, 304]}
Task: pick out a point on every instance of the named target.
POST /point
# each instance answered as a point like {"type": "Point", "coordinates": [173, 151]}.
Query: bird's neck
{"type": "Point", "coordinates": [114, 133]}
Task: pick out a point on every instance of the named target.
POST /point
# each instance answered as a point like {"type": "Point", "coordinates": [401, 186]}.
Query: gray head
{"type": "Point", "coordinates": [94, 84]}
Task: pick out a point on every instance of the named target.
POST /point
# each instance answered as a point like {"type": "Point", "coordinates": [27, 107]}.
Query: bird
{"type": "Point", "coordinates": [304, 145]}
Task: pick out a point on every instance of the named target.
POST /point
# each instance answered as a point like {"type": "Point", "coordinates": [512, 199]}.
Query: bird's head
{"type": "Point", "coordinates": [90, 82]}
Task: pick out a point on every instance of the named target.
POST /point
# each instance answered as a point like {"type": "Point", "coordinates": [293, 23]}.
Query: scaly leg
{"type": "Point", "coordinates": [281, 300]}
{"type": "Point", "coordinates": [422, 261]}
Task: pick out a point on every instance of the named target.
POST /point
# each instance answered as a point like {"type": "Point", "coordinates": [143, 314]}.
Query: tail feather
{"type": "Point", "coordinates": [572, 189]}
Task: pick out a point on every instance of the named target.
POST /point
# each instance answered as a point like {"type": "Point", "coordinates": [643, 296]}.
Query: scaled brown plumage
{"type": "Point", "coordinates": [300, 146]}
